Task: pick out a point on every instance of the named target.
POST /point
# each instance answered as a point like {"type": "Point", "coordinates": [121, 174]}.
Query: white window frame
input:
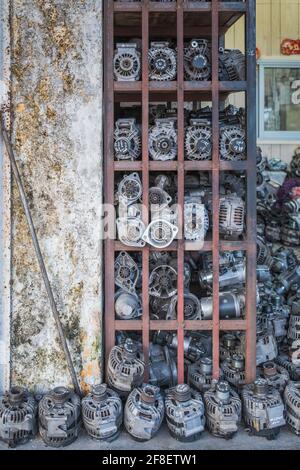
{"type": "Point", "coordinates": [277, 137]}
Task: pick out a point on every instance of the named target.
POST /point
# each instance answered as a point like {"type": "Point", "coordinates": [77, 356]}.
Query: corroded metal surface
{"type": "Point", "coordinates": [57, 100]}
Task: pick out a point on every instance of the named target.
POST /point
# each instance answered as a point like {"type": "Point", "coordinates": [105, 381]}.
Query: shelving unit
{"type": "Point", "coordinates": [127, 19]}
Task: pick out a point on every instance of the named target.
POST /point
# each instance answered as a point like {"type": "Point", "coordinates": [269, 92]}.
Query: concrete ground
{"type": "Point", "coordinates": [163, 441]}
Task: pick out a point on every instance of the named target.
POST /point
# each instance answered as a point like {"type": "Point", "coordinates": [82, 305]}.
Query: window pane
{"type": "Point", "coordinates": [282, 99]}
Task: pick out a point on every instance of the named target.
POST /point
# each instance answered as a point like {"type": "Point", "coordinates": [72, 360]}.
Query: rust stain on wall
{"type": "Point", "coordinates": [57, 110]}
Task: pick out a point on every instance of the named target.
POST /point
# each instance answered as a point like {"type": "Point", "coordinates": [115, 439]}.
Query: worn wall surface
{"type": "Point", "coordinates": [57, 107]}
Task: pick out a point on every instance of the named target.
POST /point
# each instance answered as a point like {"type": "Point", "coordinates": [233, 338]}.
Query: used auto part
{"type": "Point", "coordinates": [234, 370]}
{"type": "Point", "coordinates": [223, 410]}
{"type": "Point", "coordinates": [131, 231]}
{"type": "Point", "coordinates": [127, 306]}
{"type": "Point", "coordinates": [263, 409]}
{"type": "Point", "coordinates": [163, 369]}
{"type": "Point", "coordinates": [230, 306]}
{"type": "Point", "coordinates": [232, 143]}
{"type": "Point", "coordinates": [144, 412]}
{"type": "Point", "coordinates": [159, 199]}
{"type": "Point", "coordinates": [229, 276]}
{"type": "Point", "coordinates": [127, 62]}
{"type": "Point", "coordinates": [102, 413]}
{"type": "Point", "coordinates": [59, 417]}
{"type": "Point", "coordinates": [197, 60]}
{"type": "Point", "coordinates": [130, 189]}
{"type": "Point", "coordinates": [229, 345]}
{"type": "Point", "coordinates": [163, 282]}
{"type": "Point", "coordinates": [127, 140]}
{"type": "Point", "coordinates": [184, 413]}
{"type": "Point", "coordinates": [294, 323]}
{"type": "Point", "coordinates": [126, 272]}
{"type": "Point", "coordinates": [163, 140]}
{"type": "Point", "coordinates": [124, 368]}
{"type": "Point", "coordinates": [266, 348]}
{"type": "Point", "coordinates": [198, 140]}
{"type": "Point", "coordinates": [18, 416]}
{"type": "Point", "coordinates": [200, 374]}
{"type": "Point", "coordinates": [162, 61]}
{"type": "Point", "coordinates": [232, 65]}
{"type": "Point", "coordinates": [196, 220]}
{"type": "Point", "coordinates": [285, 360]}
{"type": "Point", "coordinates": [275, 375]}
{"type": "Point", "coordinates": [160, 233]}
{"type": "Point", "coordinates": [231, 216]}
{"type": "Point", "coordinates": [292, 406]}
{"type": "Point", "coordinates": [287, 280]}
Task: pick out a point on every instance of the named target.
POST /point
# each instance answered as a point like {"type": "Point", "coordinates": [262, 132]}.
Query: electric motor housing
{"type": "Point", "coordinates": [223, 410]}
{"type": "Point", "coordinates": [102, 413]}
{"type": "Point", "coordinates": [234, 370]}
{"type": "Point", "coordinates": [18, 416]}
{"type": "Point", "coordinates": [162, 61]}
{"type": "Point", "coordinates": [124, 369]}
{"type": "Point", "coordinates": [184, 413]}
{"type": "Point", "coordinates": [292, 406]}
{"type": "Point", "coordinates": [276, 376]}
{"type": "Point", "coordinates": [127, 62]}
{"type": "Point", "coordinates": [200, 374]}
{"type": "Point", "coordinates": [59, 417]}
{"type": "Point", "coordinates": [144, 412]}
{"type": "Point", "coordinates": [263, 409]}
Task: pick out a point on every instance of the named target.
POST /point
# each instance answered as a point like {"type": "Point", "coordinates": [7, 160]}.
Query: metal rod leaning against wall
{"type": "Point", "coordinates": [39, 255]}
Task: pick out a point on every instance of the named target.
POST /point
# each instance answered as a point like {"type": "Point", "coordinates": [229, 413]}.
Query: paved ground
{"type": "Point", "coordinates": [163, 441]}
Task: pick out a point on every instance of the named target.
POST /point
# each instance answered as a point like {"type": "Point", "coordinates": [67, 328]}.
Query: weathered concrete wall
{"type": "Point", "coordinates": [57, 110]}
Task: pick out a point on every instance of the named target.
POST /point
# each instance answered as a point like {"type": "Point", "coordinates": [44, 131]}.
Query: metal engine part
{"type": "Point", "coordinates": [196, 221]}
{"type": "Point", "coordinates": [232, 143]}
{"type": "Point", "coordinates": [162, 61]}
{"type": "Point", "coordinates": [223, 410]}
{"type": "Point", "coordinates": [232, 216]}
{"type": "Point", "coordinates": [230, 306]}
{"type": "Point", "coordinates": [234, 370]}
{"type": "Point", "coordinates": [144, 412]}
{"type": "Point", "coordinates": [130, 189]}
{"type": "Point", "coordinates": [198, 140]}
{"type": "Point", "coordinates": [195, 346]}
{"type": "Point", "coordinates": [263, 252]}
{"type": "Point", "coordinates": [229, 276]}
{"type": "Point", "coordinates": [131, 231]}
{"type": "Point", "coordinates": [127, 62]}
{"type": "Point", "coordinates": [163, 369]}
{"type": "Point", "coordinates": [163, 282]}
{"type": "Point", "coordinates": [292, 406]}
{"type": "Point", "coordinates": [266, 348]}
{"type": "Point", "coordinates": [285, 361]}
{"type": "Point", "coordinates": [229, 345]}
{"type": "Point", "coordinates": [283, 260]}
{"type": "Point", "coordinates": [263, 409]}
{"type": "Point", "coordinates": [160, 233]}
{"type": "Point", "coordinates": [287, 280]}
{"type": "Point", "coordinates": [184, 413]}
{"type": "Point", "coordinates": [290, 231]}
{"type": "Point", "coordinates": [124, 369]}
{"type": "Point", "coordinates": [197, 60]}
{"type": "Point", "coordinates": [294, 323]}
{"type": "Point", "coordinates": [126, 272]}
{"type": "Point", "coordinates": [200, 374]}
{"type": "Point", "coordinates": [18, 416]}
{"type": "Point", "coordinates": [127, 306]}
{"type": "Point", "coordinates": [163, 140]}
{"type": "Point", "coordinates": [232, 65]}
{"type": "Point", "coordinates": [59, 417]}
{"type": "Point", "coordinates": [102, 413]}
{"type": "Point", "coordinates": [295, 163]}
{"type": "Point", "coordinates": [159, 199]}
{"type": "Point", "coordinates": [192, 310]}
{"type": "Point", "coordinates": [127, 140]}
{"type": "Point", "coordinates": [275, 375]}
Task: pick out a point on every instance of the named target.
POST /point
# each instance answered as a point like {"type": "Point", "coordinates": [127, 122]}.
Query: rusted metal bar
{"type": "Point", "coordinates": [109, 173]}
{"type": "Point", "coordinates": [39, 256]}
{"type": "Point", "coordinates": [180, 184]}
{"type": "Point", "coordinates": [145, 179]}
{"type": "Point", "coordinates": [251, 192]}
{"type": "Point", "coordinates": [215, 182]}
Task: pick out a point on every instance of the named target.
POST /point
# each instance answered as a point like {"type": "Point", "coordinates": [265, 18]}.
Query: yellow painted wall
{"type": "Point", "coordinates": [276, 20]}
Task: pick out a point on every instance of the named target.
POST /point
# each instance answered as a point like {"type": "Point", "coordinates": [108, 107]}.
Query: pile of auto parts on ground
{"type": "Point", "coordinates": [265, 406]}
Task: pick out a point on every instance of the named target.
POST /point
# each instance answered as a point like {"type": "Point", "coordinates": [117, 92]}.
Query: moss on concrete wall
{"type": "Point", "coordinates": [57, 110]}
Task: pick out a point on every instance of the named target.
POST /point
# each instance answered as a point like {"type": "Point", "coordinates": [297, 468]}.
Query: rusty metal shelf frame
{"type": "Point", "coordinates": [142, 92]}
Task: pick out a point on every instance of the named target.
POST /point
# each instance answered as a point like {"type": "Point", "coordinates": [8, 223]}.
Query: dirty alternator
{"type": "Point", "coordinates": [127, 140]}
{"type": "Point", "coordinates": [275, 375]}
{"type": "Point", "coordinates": [59, 417]}
{"type": "Point", "coordinates": [124, 369]}
{"type": "Point", "coordinates": [162, 61]}
{"type": "Point", "coordinates": [234, 370]}
{"type": "Point", "coordinates": [163, 140]}
{"type": "Point", "coordinates": [184, 413]}
{"type": "Point", "coordinates": [263, 409]}
{"type": "Point", "coordinates": [127, 62]}
{"type": "Point", "coordinates": [144, 412]}
{"type": "Point", "coordinates": [18, 416]}
{"type": "Point", "coordinates": [198, 142]}
{"type": "Point", "coordinates": [223, 410]}
{"type": "Point", "coordinates": [102, 413]}
{"type": "Point", "coordinates": [292, 406]}
{"type": "Point", "coordinates": [200, 374]}
{"type": "Point", "coordinates": [197, 60]}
